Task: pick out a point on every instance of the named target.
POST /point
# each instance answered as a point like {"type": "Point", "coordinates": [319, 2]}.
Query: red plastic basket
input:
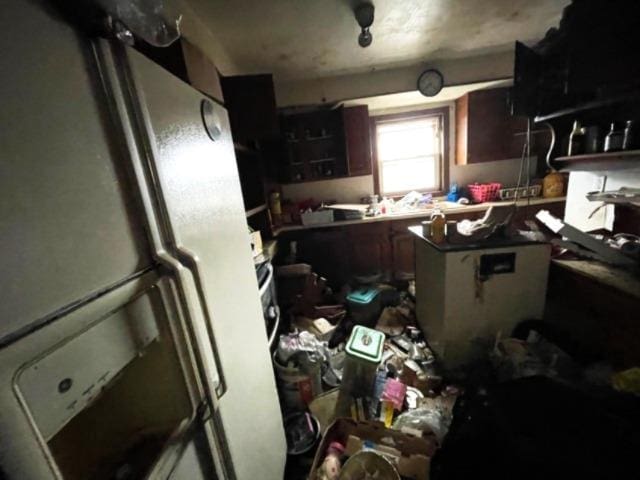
{"type": "Point", "coordinates": [483, 192]}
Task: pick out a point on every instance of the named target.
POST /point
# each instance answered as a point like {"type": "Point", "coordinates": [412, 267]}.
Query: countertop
{"type": "Point", "coordinates": [445, 247]}
{"type": "Point", "coordinates": [623, 280]}
{"type": "Point", "coordinates": [480, 207]}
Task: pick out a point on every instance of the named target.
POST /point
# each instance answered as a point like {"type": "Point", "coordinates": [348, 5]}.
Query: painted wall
{"type": "Point", "coordinates": [349, 190]}
{"type": "Point", "coordinates": [193, 29]}
{"type": "Point", "coordinates": [340, 190]}
{"type": "Point", "coordinates": [578, 208]}
{"type": "Point", "coordinates": [379, 82]}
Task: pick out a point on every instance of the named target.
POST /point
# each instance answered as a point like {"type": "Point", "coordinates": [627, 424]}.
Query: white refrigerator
{"type": "Point", "coordinates": [132, 341]}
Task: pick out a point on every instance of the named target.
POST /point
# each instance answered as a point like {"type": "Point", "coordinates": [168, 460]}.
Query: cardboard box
{"type": "Point", "coordinates": [201, 71]}
{"type": "Point", "coordinates": [411, 455]}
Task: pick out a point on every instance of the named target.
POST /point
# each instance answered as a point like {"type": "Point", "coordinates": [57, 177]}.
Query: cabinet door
{"type": "Point", "coordinates": [404, 256]}
{"type": "Point", "coordinates": [358, 139]}
{"type": "Point", "coordinates": [369, 249]}
{"type": "Point", "coordinates": [485, 128]}
{"type": "Point", "coordinates": [251, 103]}
{"type": "Point", "coordinates": [326, 250]}
{"type": "Point", "coordinates": [486, 136]}
{"type": "Point", "coordinates": [403, 253]}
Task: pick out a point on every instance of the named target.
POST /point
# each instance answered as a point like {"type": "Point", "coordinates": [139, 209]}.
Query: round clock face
{"type": "Point", "coordinates": [430, 83]}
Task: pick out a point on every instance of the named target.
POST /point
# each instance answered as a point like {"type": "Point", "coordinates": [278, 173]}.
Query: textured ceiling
{"type": "Point", "coordinates": [296, 39]}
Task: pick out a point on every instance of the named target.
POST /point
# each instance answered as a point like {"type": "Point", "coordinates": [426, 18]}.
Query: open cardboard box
{"type": "Point", "coordinates": [413, 453]}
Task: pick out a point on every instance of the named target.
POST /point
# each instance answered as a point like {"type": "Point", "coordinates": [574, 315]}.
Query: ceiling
{"type": "Point", "coordinates": [301, 39]}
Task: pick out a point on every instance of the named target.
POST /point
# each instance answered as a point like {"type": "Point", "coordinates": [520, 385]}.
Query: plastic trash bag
{"type": "Point", "coordinates": [155, 21]}
{"type": "Point", "coordinates": [424, 420]}
{"type": "Point", "coordinates": [295, 343]}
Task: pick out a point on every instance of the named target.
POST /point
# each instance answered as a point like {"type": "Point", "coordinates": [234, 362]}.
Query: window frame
{"type": "Point", "coordinates": [415, 114]}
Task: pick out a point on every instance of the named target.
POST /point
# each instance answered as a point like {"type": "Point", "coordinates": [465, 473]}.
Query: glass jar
{"type": "Point", "coordinates": [577, 140]}
{"type": "Point", "coordinates": [614, 139]}
{"type": "Point", "coordinates": [438, 223]}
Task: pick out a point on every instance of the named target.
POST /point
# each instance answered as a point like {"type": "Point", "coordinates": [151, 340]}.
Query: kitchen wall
{"type": "Point", "coordinates": [348, 190]}
{"type": "Point", "coordinates": [193, 29]}
{"type": "Point", "coordinates": [503, 171]}
{"type": "Point", "coordinates": [401, 79]}
{"type": "Point", "coordinates": [340, 190]}
{"type": "Point", "coordinates": [578, 208]}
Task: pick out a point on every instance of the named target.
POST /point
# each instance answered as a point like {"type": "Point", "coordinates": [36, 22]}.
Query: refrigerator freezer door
{"type": "Point", "coordinates": [68, 220]}
{"type": "Point", "coordinates": [190, 153]}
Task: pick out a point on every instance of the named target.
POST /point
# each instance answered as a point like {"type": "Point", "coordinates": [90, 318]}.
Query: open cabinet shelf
{"type": "Point", "coordinates": [592, 107]}
{"type": "Point", "coordinates": [599, 161]}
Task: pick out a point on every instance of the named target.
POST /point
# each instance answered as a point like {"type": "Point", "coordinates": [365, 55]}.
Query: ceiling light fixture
{"type": "Point", "coordinates": [364, 17]}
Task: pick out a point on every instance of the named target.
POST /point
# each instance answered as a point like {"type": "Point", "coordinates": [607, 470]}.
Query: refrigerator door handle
{"type": "Point", "coordinates": [188, 290]}
{"type": "Point", "coordinates": [190, 261]}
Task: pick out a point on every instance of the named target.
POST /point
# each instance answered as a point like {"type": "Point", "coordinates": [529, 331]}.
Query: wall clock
{"type": "Point", "coordinates": [430, 82]}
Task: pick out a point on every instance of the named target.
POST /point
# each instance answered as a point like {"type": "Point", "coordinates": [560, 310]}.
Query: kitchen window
{"type": "Point", "coordinates": [410, 152]}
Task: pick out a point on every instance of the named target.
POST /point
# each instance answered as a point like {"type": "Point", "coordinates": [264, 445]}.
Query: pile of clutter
{"type": "Point", "coordinates": [355, 370]}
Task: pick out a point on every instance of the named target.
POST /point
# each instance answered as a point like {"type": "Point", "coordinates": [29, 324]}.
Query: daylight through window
{"type": "Point", "coordinates": [409, 154]}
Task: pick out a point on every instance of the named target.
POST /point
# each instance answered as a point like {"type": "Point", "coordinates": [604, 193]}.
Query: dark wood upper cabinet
{"type": "Point", "coordinates": [324, 143]}
{"type": "Point", "coordinates": [358, 137]}
{"type": "Point", "coordinates": [251, 102]}
{"type": "Point", "coordinates": [485, 129]}
{"type": "Point", "coordinates": [314, 146]}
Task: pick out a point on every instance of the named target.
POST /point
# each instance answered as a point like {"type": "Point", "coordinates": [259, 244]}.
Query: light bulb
{"type": "Point", "coordinates": [365, 38]}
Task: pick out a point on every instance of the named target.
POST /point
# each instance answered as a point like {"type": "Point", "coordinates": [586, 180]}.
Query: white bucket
{"type": "Point", "coordinates": [296, 387]}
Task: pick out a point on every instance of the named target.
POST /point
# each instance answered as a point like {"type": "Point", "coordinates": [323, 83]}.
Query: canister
{"type": "Point", "coordinates": [363, 355]}
{"type": "Point", "coordinates": [364, 306]}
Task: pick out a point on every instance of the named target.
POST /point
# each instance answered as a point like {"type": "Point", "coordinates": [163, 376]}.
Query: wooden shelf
{"type": "Point", "coordinates": [322, 160]}
{"type": "Point", "coordinates": [258, 209]}
{"type": "Point", "coordinates": [589, 107]}
{"type": "Point", "coordinates": [244, 149]}
{"type": "Point", "coordinates": [309, 139]}
{"type": "Point", "coordinates": [599, 161]}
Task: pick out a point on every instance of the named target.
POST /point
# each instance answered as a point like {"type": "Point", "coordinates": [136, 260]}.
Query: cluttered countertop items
{"type": "Point", "coordinates": [492, 230]}
{"type": "Point", "coordinates": [349, 214]}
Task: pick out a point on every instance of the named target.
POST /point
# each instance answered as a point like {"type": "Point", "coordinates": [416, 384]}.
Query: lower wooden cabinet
{"type": "Point", "coordinates": [404, 256]}
{"type": "Point", "coordinates": [369, 248]}
{"type": "Point", "coordinates": [327, 251]}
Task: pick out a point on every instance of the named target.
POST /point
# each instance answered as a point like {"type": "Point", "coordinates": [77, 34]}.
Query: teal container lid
{"type": "Point", "coordinates": [363, 296]}
{"type": "Point", "coordinates": [366, 343]}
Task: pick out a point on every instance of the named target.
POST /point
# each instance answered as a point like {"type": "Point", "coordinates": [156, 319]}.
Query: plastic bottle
{"type": "Point", "coordinates": [275, 207]}
{"type": "Point", "coordinates": [438, 223]}
{"type": "Point", "coordinates": [330, 468]}
{"type": "Point", "coordinates": [553, 185]}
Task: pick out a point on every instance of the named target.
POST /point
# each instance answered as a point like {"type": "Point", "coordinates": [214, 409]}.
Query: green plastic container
{"type": "Point", "coordinates": [365, 344]}
{"type": "Point", "coordinates": [363, 355]}
{"type": "Point", "coordinates": [364, 306]}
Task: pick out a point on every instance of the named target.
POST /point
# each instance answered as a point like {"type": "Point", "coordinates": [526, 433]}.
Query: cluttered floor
{"type": "Point", "coordinates": [364, 397]}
